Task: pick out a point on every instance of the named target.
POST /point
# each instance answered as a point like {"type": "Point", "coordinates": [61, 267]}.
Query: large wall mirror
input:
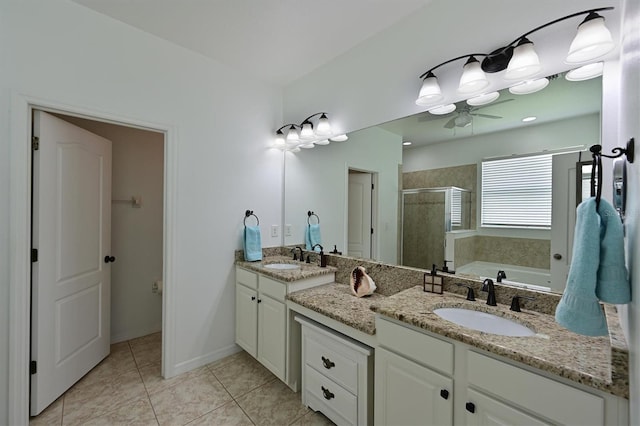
{"type": "Point", "coordinates": [420, 205]}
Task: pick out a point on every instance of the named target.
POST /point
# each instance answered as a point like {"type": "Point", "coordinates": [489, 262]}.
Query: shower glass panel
{"type": "Point", "coordinates": [427, 214]}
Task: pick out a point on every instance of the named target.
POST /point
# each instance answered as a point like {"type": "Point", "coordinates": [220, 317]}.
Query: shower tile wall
{"type": "Point", "coordinates": [460, 176]}
{"type": "Point", "coordinates": [527, 252]}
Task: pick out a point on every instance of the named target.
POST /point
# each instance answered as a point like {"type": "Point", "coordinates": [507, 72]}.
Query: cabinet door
{"type": "Point", "coordinates": [247, 319]}
{"type": "Point", "coordinates": [489, 412]}
{"type": "Point", "coordinates": [271, 334]}
{"type": "Point", "coordinates": [407, 393]}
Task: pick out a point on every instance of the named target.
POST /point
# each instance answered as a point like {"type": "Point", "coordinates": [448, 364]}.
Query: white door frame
{"type": "Point", "coordinates": [374, 209]}
{"type": "Point", "coordinates": [20, 239]}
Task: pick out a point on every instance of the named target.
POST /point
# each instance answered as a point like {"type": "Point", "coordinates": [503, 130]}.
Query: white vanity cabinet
{"type": "Point", "coordinates": [416, 374]}
{"type": "Point", "coordinates": [337, 375]}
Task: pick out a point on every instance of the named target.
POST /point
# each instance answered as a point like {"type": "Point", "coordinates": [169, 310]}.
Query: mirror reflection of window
{"type": "Point", "coordinates": [585, 187]}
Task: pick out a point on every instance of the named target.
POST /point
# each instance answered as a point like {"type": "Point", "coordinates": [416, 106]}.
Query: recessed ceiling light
{"type": "Point", "coordinates": [530, 118]}
{"type": "Point", "coordinates": [406, 143]}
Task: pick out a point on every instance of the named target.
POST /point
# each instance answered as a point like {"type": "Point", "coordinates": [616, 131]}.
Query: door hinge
{"type": "Point", "coordinates": [372, 187]}
{"type": "Point", "coordinates": [35, 143]}
{"type": "Point", "coordinates": [33, 369]}
{"type": "Point", "coordinates": [34, 255]}
{"type": "Point", "coordinates": [371, 231]}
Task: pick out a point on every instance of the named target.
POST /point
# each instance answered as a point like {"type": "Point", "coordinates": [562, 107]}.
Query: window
{"type": "Point", "coordinates": [516, 192]}
{"type": "Point", "coordinates": [456, 207]}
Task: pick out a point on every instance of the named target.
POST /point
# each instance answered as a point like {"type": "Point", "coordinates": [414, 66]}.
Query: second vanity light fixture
{"type": "Point", "coordinates": [306, 135]}
{"type": "Point", "coordinates": [520, 62]}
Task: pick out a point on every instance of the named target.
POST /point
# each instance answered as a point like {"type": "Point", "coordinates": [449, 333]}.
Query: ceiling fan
{"type": "Point", "coordinates": [466, 113]}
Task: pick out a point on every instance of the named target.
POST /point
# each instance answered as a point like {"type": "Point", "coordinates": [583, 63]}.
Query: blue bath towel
{"type": "Point", "coordinates": [613, 282]}
{"type": "Point", "coordinates": [252, 243]}
{"type": "Point", "coordinates": [312, 237]}
{"type": "Point", "coordinates": [579, 309]}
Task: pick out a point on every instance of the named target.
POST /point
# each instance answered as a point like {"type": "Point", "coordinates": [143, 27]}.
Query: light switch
{"type": "Point", "coordinates": [288, 230]}
{"type": "Point", "coordinates": [274, 230]}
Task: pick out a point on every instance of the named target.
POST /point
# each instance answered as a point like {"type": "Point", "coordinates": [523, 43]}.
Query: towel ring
{"type": "Point", "coordinates": [250, 213]}
{"type": "Point", "coordinates": [310, 213]}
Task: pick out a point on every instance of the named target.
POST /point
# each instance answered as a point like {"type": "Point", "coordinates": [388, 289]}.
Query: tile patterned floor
{"type": "Point", "coordinates": [126, 389]}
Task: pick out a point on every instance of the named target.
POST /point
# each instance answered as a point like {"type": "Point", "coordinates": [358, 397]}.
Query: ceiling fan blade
{"type": "Point", "coordinates": [493, 103]}
{"type": "Point", "coordinates": [487, 116]}
{"type": "Point", "coordinates": [450, 124]}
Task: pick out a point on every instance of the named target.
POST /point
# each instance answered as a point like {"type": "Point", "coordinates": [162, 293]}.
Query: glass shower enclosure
{"type": "Point", "coordinates": [427, 215]}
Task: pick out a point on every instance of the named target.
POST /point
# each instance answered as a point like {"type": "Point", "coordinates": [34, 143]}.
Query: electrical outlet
{"type": "Point", "coordinates": [288, 230]}
{"type": "Point", "coordinates": [274, 230]}
{"type": "Point", "coordinates": [154, 287]}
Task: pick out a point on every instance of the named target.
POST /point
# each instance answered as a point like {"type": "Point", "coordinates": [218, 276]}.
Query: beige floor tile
{"type": "Point", "coordinates": [119, 361]}
{"type": "Point", "coordinates": [52, 415]}
{"type": "Point", "coordinates": [226, 360]}
{"type": "Point", "coordinates": [242, 375]}
{"type": "Point", "coordinates": [86, 402]}
{"type": "Point", "coordinates": [230, 414]}
{"type": "Point", "coordinates": [154, 382]}
{"type": "Point", "coordinates": [147, 349]}
{"type": "Point", "coordinates": [186, 401]}
{"type": "Point", "coordinates": [272, 404]}
{"type": "Point", "coordinates": [313, 419]}
{"type": "Point", "coordinates": [137, 413]}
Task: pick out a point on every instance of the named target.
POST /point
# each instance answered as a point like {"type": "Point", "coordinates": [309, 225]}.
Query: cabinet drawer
{"type": "Point", "coordinates": [556, 401]}
{"type": "Point", "coordinates": [323, 392]}
{"type": "Point", "coordinates": [332, 359]}
{"type": "Point", "coordinates": [273, 288]}
{"type": "Point", "coordinates": [246, 278]}
{"type": "Point", "coordinates": [424, 349]}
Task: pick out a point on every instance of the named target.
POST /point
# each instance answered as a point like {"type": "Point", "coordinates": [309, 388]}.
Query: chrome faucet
{"type": "Point", "coordinates": [501, 275]}
{"type": "Point", "coordinates": [487, 285]}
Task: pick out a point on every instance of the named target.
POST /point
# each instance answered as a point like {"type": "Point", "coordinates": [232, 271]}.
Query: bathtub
{"type": "Point", "coordinates": [520, 276]}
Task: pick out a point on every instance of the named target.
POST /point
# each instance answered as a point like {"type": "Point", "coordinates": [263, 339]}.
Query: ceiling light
{"type": "Point", "coordinates": [485, 98]}
{"type": "Point", "coordinates": [585, 72]}
{"type": "Point", "coordinates": [406, 143]}
{"type": "Point", "coordinates": [292, 134]}
{"type": "Point", "coordinates": [430, 92]}
{"type": "Point", "coordinates": [592, 41]}
{"type": "Point", "coordinates": [324, 128]}
{"type": "Point", "coordinates": [295, 149]}
{"type": "Point", "coordinates": [339, 138]}
{"type": "Point", "coordinates": [528, 119]}
{"type": "Point", "coordinates": [279, 142]}
{"type": "Point", "coordinates": [524, 63]}
{"type": "Point", "coordinates": [529, 86]}
{"type": "Point", "coordinates": [306, 133]}
{"type": "Point", "coordinates": [323, 142]}
{"type": "Point", "coordinates": [306, 145]}
{"type": "Point", "coordinates": [473, 78]}
{"type": "Point", "coordinates": [442, 109]}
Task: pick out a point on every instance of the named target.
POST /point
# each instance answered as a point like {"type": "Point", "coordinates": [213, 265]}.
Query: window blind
{"type": "Point", "coordinates": [516, 192]}
{"type": "Point", "coordinates": [456, 207]}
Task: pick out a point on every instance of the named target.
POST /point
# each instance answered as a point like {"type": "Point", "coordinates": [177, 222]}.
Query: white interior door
{"type": "Point", "coordinates": [359, 216]}
{"type": "Point", "coordinates": [563, 215]}
{"type": "Point", "coordinates": [70, 310]}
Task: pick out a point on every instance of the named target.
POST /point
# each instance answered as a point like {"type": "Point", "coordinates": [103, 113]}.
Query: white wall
{"type": "Point", "coordinates": [317, 180]}
{"type": "Point", "coordinates": [630, 127]}
{"type": "Point", "coordinates": [583, 131]}
{"type": "Point", "coordinates": [136, 233]}
{"type": "Point", "coordinates": [66, 54]}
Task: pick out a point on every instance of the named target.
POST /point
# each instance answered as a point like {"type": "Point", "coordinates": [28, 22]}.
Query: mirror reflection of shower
{"type": "Point", "coordinates": [427, 215]}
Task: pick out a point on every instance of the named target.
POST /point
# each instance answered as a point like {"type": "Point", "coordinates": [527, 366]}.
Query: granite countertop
{"type": "Point", "coordinates": [305, 270]}
{"type": "Point", "coordinates": [337, 302]}
{"type": "Point", "coordinates": [599, 362]}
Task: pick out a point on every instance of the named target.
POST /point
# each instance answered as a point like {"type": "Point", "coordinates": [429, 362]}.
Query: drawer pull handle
{"type": "Point", "coordinates": [471, 407]}
{"type": "Point", "coordinates": [444, 393]}
{"type": "Point", "coordinates": [327, 394]}
{"type": "Point", "coordinates": [253, 298]}
{"type": "Point", "coordinates": [259, 300]}
{"type": "Point", "coordinates": [328, 363]}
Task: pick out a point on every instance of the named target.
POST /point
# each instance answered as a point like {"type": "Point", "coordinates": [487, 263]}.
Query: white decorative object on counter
{"type": "Point", "coordinates": [361, 283]}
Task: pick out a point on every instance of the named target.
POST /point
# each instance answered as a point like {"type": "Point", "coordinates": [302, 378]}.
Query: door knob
{"type": "Point", "coordinates": [470, 407]}
{"type": "Point", "coordinates": [557, 256]}
{"type": "Point", "coordinates": [109, 259]}
{"type": "Point", "coordinates": [444, 393]}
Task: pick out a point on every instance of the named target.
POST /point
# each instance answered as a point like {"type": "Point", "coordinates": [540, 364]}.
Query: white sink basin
{"type": "Point", "coordinates": [483, 321]}
{"type": "Point", "coordinates": [282, 266]}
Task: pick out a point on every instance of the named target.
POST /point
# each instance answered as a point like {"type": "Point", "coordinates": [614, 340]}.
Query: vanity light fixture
{"type": "Point", "coordinates": [585, 72]}
{"type": "Point", "coordinates": [307, 134]}
{"type": "Point", "coordinates": [406, 143]}
{"type": "Point", "coordinates": [528, 119]}
{"type": "Point", "coordinates": [485, 98]}
{"type": "Point", "coordinates": [443, 109]}
{"type": "Point", "coordinates": [520, 60]}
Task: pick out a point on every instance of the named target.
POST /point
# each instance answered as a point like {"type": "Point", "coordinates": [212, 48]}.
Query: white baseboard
{"type": "Point", "coordinates": [134, 333]}
{"type": "Point", "coordinates": [183, 367]}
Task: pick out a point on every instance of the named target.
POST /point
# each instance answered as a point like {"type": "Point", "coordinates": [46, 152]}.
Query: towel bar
{"type": "Point", "coordinates": [309, 214]}
{"type": "Point", "coordinates": [249, 213]}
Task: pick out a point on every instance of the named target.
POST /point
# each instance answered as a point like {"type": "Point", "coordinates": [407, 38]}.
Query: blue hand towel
{"type": "Point", "coordinates": [613, 282]}
{"type": "Point", "coordinates": [579, 309]}
{"type": "Point", "coordinates": [252, 243]}
{"type": "Point", "coordinates": [312, 237]}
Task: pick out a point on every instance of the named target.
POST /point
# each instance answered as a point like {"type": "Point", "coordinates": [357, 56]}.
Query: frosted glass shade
{"type": "Point", "coordinates": [306, 132]}
{"type": "Point", "coordinates": [585, 72]}
{"type": "Point", "coordinates": [430, 91]}
{"type": "Point", "coordinates": [592, 41]}
{"type": "Point", "coordinates": [524, 63]}
{"type": "Point", "coordinates": [473, 78]}
{"type": "Point", "coordinates": [339, 138]}
{"type": "Point", "coordinates": [292, 135]}
{"type": "Point", "coordinates": [279, 141]}
{"type": "Point", "coordinates": [529, 86]}
{"type": "Point", "coordinates": [323, 142]}
{"type": "Point", "coordinates": [324, 128]}
{"type": "Point", "coordinates": [485, 98]}
{"type": "Point", "coordinates": [442, 109]}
